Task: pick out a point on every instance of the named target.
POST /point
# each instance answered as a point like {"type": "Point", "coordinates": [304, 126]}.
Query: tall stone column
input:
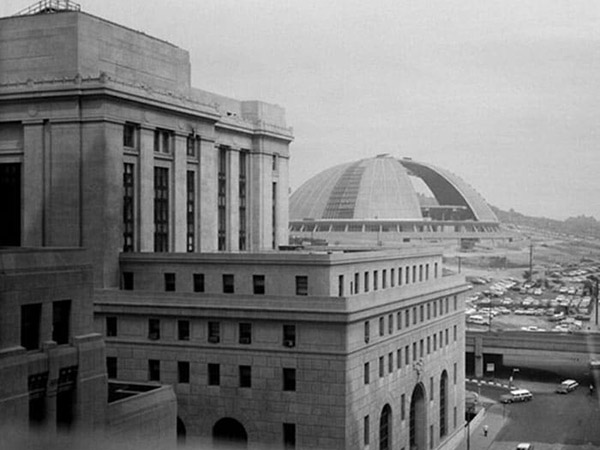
{"type": "Point", "coordinates": [146, 190]}
{"type": "Point", "coordinates": [33, 184]}
{"type": "Point", "coordinates": [208, 195]}
{"type": "Point", "coordinates": [179, 184]}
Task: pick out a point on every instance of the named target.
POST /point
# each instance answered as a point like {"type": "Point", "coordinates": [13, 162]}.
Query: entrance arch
{"type": "Point", "coordinates": [228, 433]}
{"type": "Point", "coordinates": [418, 419]}
{"type": "Point", "coordinates": [385, 428]}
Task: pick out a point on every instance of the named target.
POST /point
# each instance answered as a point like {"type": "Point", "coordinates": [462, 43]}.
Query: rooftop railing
{"type": "Point", "coordinates": [49, 6]}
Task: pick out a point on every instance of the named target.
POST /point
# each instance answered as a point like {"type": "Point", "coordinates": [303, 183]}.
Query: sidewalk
{"type": "Point", "coordinates": [494, 420]}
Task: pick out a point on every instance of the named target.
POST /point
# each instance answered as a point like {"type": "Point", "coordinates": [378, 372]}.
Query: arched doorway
{"type": "Point", "coordinates": [444, 404]}
{"type": "Point", "coordinates": [385, 428]}
{"type": "Point", "coordinates": [418, 419]}
{"type": "Point", "coordinates": [181, 432]}
{"type": "Point", "coordinates": [228, 433]}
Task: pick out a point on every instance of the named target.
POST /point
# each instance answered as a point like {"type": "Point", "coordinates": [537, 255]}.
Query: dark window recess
{"type": "Point", "coordinates": [289, 335]}
{"type": "Point", "coordinates": [65, 397]}
{"type": "Point", "coordinates": [228, 284]}
{"type": "Point", "coordinates": [111, 326]}
{"type": "Point", "coordinates": [245, 333]}
{"type": "Point", "coordinates": [245, 376]}
{"type": "Point", "coordinates": [161, 209]}
{"type": "Point", "coordinates": [242, 199]}
{"type": "Point", "coordinates": [129, 135]}
{"type": "Point", "coordinates": [258, 282]}
{"type": "Point", "coordinates": [30, 325]}
{"type": "Point", "coordinates": [222, 200]}
{"type": "Point", "coordinates": [198, 282]}
{"type": "Point", "coordinates": [214, 375]}
{"type": "Point", "coordinates": [153, 370]}
{"type": "Point", "coordinates": [289, 436]}
{"type": "Point", "coordinates": [153, 329]}
{"type": "Point", "coordinates": [61, 318]}
{"type": "Point", "coordinates": [37, 385]}
{"type": "Point", "coordinates": [289, 379]}
{"type": "Point", "coordinates": [169, 282]}
{"type": "Point", "coordinates": [128, 207]}
{"type": "Point", "coordinates": [111, 367]}
{"type": "Point", "coordinates": [183, 372]}
{"type": "Point", "coordinates": [183, 330]}
{"type": "Point", "coordinates": [301, 285]}
{"type": "Point", "coordinates": [10, 204]}
{"type": "Point", "coordinates": [127, 280]}
{"type": "Point", "coordinates": [214, 332]}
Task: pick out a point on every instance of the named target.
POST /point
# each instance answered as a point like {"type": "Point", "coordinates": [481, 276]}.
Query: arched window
{"type": "Point", "coordinates": [385, 428]}
{"type": "Point", "coordinates": [418, 419]}
{"type": "Point", "coordinates": [444, 404]}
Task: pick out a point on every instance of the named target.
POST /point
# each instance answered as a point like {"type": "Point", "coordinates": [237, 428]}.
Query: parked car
{"type": "Point", "coordinates": [516, 395]}
{"type": "Point", "coordinates": [524, 446]}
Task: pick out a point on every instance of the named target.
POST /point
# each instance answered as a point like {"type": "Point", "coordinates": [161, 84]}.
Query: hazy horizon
{"type": "Point", "coordinates": [502, 93]}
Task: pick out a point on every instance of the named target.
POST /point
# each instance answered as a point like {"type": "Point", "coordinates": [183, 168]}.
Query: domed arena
{"type": "Point", "coordinates": [385, 201]}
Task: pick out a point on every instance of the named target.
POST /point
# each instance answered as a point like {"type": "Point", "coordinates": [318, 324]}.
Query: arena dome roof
{"type": "Point", "coordinates": [380, 188]}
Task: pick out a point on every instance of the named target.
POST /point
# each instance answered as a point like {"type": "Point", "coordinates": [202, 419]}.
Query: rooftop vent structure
{"type": "Point", "coordinates": [49, 7]}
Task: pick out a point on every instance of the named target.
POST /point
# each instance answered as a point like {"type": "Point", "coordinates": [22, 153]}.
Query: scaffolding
{"type": "Point", "coordinates": [49, 7]}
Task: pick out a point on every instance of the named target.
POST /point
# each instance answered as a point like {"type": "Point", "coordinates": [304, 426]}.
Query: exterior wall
{"type": "Point", "coordinates": [43, 277]}
{"type": "Point", "coordinates": [329, 351]}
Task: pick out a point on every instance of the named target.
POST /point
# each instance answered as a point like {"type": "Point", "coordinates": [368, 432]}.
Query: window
{"type": "Point", "coordinates": [447, 301]}
{"type": "Point", "coordinates": [447, 336]}
{"type": "Point", "coordinates": [289, 379]}
{"type": "Point", "coordinates": [385, 428]}
{"type": "Point", "coordinates": [129, 135]}
{"type": "Point", "coordinates": [366, 373]}
{"type": "Point", "coordinates": [428, 345]}
{"type": "Point", "coordinates": [390, 362]}
{"type": "Point", "coordinates": [245, 376]}
{"type": "Point", "coordinates": [434, 308]}
{"type": "Point", "coordinates": [366, 430]}
{"type": "Point", "coordinates": [243, 200]}
{"type": "Point", "coordinates": [381, 367]}
{"type": "Point", "coordinates": [428, 311]}
{"type": "Point", "coordinates": [441, 306]}
{"type": "Point", "coordinates": [434, 342]}
{"type": "Point", "coordinates": [367, 332]}
{"type": "Point", "coordinates": [258, 283]}
{"type": "Point", "coordinates": [214, 374]}
{"type": "Point", "coordinates": [289, 335]}
{"type": "Point", "coordinates": [454, 374]}
{"type": "Point", "coordinates": [162, 141]}
{"type": "Point", "coordinates": [441, 339]}
{"type": "Point", "coordinates": [420, 272]}
{"type": "Point", "coordinates": [375, 280]}
{"type": "Point", "coordinates": [407, 318]}
{"type": "Point", "coordinates": [183, 330]}
{"type": "Point", "coordinates": [402, 407]}
{"type": "Point", "coordinates": [274, 162]}
{"type": "Point", "coordinates": [399, 358]}
{"type": "Point", "coordinates": [399, 276]}
{"type": "Point", "coordinates": [191, 210]}
{"type": "Point", "coordinates": [161, 209]}
{"type": "Point", "coordinates": [274, 215]}
{"type": "Point", "coordinates": [455, 303]}
{"type": "Point", "coordinates": [381, 326]}
{"type": "Point", "coordinates": [435, 270]}
{"type": "Point", "coordinates": [128, 207]}
{"type": "Point", "coordinates": [431, 390]}
{"type": "Point", "coordinates": [191, 144]}
{"type": "Point", "coordinates": [111, 367]}
{"type": "Point", "coordinates": [127, 281]}
{"type": "Point", "coordinates": [407, 273]}
{"type": "Point", "coordinates": [245, 330]}
{"type": "Point", "coordinates": [422, 313]}
{"type": "Point", "coordinates": [455, 333]}
{"type": "Point", "coordinates": [153, 329]}
{"type": "Point", "coordinates": [399, 320]}
{"type": "Point", "coordinates": [406, 355]}
{"type": "Point", "coordinates": [414, 351]}
{"type": "Point", "coordinates": [289, 436]}
{"type": "Point", "coordinates": [356, 283]}
{"type": "Point", "coordinates": [340, 285]}
{"type": "Point", "coordinates": [169, 282]}
{"type": "Point", "coordinates": [61, 318]}
{"type": "Point", "coordinates": [214, 332]}
{"type": "Point", "coordinates": [154, 370]}
{"type": "Point", "coordinates": [111, 326]}
{"type": "Point", "coordinates": [414, 311]}
{"type": "Point", "coordinates": [443, 404]}
{"type": "Point", "coordinates": [390, 323]}
{"type": "Point", "coordinates": [222, 200]}
{"type": "Point", "coordinates": [383, 279]}
{"type": "Point", "coordinates": [421, 348]}
{"type": "Point", "coordinates": [228, 284]}
{"type": "Point", "coordinates": [392, 277]}
{"type": "Point", "coordinates": [427, 271]}
{"type": "Point", "coordinates": [198, 282]}
{"type": "Point", "coordinates": [301, 285]}
{"type": "Point", "coordinates": [366, 283]}
{"type": "Point", "coordinates": [414, 274]}
{"type": "Point", "coordinates": [183, 372]}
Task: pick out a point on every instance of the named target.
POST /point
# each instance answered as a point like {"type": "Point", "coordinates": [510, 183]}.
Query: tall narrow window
{"type": "Point", "coordinates": [245, 373]}
{"type": "Point", "coordinates": [243, 199]}
{"type": "Point", "coordinates": [128, 207]}
{"type": "Point", "coordinates": [193, 142]}
{"type": "Point", "coordinates": [222, 200]}
{"type": "Point", "coordinates": [289, 436]}
{"type": "Point", "coordinates": [129, 130]}
{"type": "Point", "coordinates": [183, 371]}
{"type": "Point", "coordinates": [274, 215]}
{"type": "Point", "coordinates": [191, 210]}
{"type": "Point", "coordinates": [214, 374]}
{"type": "Point", "coordinates": [153, 370]}
{"type": "Point", "coordinates": [198, 282]}
{"type": "Point", "coordinates": [30, 325]}
{"type": "Point", "coordinates": [111, 367]}
{"type": "Point", "coordinates": [245, 333]}
{"type": "Point", "coordinates": [111, 326]}
{"type": "Point", "coordinates": [10, 204]}
{"type": "Point", "coordinates": [153, 329]}
{"type": "Point", "coordinates": [183, 330]}
{"type": "Point", "coordinates": [289, 379]}
{"type": "Point", "coordinates": [340, 285]}
{"type": "Point", "coordinates": [366, 373]}
{"type": "Point", "coordinates": [385, 428]}
{"type": "Point", "coordinates": [161, 209]}
{"type": "Point", "coordinates": [258, 283]}
{"type": "Point", "coordinates": [228, 284]}
{"type": "Point", "coordinates": [289, 335]}
{"type": "Point", "coordinates": [214, 332]}
{"type": "Point", "coordinates": [367, 332]}
{"type": "Point", "coordinates": [356, 283]}
{"type": "Point", "coordinates": [301, 285]}
{"type": "Point", "coordinates": [444, 404]}
{"type": "Point", "coordinates": [61, 318]}
{"type": "Point", "coordinates": [169, 282]}
{"type": "Point", "coordinates": [366, 431]}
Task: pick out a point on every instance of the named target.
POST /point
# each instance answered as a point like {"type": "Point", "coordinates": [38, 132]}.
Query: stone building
{"type": "Point", "coordinates": [181, 197]}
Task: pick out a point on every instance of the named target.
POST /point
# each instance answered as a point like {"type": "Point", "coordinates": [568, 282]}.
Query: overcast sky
{"type": "Point", "coordinates": [506, 94]}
